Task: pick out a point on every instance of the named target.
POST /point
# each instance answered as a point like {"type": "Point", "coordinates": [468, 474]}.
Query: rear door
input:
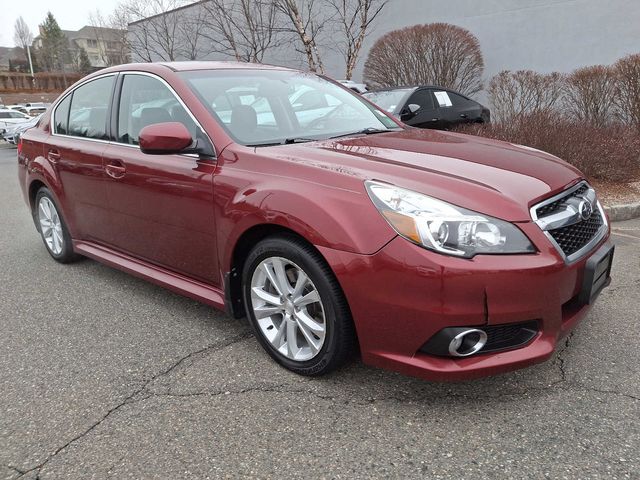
{"type": "Point", "coordinates": [75, 147]}
{"type": "Point", "coordinates": [161, 205]}
{"type": "Point", "coordinates": [456, 109]}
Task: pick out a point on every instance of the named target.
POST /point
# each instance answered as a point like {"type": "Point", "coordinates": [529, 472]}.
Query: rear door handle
{"type": "Point", "coordinates": [463, 115]}
{"type": "Point", "coordinates": [53, 156]}
{"type": "Point", "coordinates": [115, 169]}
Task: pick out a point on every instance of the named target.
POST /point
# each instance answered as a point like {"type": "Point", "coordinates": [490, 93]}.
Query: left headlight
{"type": "Point", "coordinates": [444, 227]}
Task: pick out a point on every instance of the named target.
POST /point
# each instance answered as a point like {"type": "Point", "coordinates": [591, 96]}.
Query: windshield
{"type": "Point", "coordinates": [261, 107]}
{"type": "Point", "coordinates": [388, 99]}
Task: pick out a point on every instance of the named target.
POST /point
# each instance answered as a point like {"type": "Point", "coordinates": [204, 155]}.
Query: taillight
{"type": "Point", "coordinates": [19, 145]}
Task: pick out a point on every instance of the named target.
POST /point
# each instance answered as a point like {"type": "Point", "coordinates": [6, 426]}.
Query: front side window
{"type": "Point", "coordinates": [89, 106]}
{"type": "Point", "coordinates": [145, 101]}
{"type": "Point", "coordinates": [423, 98]}
{"type": "Point", "coordinates": [261, 107]}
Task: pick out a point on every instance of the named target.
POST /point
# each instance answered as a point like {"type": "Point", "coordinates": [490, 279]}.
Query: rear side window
{"type": "Point", "coordinates": [89, 106]}
{"type": "Point", "coordinates": [61, 117]}
{"type": "Point", "coordinates": [460, 101]}
{"type": "Point", "coordinates": [145, 101]}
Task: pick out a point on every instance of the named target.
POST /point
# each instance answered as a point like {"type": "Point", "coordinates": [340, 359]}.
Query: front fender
{"type": "Point", "coordinates": [326, 216]}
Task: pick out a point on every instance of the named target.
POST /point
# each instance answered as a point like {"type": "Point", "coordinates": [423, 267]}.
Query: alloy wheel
{"type": "Point", "coordinates": [50, 225]}
{"type": "Point", "coordinates": [288, 308]}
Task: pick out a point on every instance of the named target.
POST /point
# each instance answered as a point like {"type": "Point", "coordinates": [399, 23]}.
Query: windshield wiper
{"type": "Point", "coordinates": [289, 141]}
{"type": "Point", "coordinates": [367, 131]}
{"type": "Point", "coordinates": [292, 140]}
{"type": "Point", "coordinates": [286, 141]}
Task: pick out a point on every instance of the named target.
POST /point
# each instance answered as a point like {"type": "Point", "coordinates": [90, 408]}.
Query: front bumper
{"type": "Point", "coordinates": [403, 295]}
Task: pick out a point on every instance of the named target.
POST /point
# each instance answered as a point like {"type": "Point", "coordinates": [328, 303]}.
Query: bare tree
{"type": "Point", "coordinates": [589, 95]}
{"type": "Point", "coordinates": [110, 34]}
{"type": "Point", "coordinates": [22, 35]}
{"type": "Point", "coordinates": [525, 92]}
{"type": "Point", "coordinates": [303, 18]}
{"type": "Point", "coordinates": [242, 29]}
{"type": "Point", "coordinates": [154, 27]}
{"type": "Point", "coordinates": [436, 53]}
{"type": "Point", "coordinates": [354, 18]}
{"type": "Point", "coordinates": [627, 96]}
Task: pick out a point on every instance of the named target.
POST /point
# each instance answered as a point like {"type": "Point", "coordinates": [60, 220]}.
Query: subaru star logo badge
{"type": "Point", "coordinates": [585, 209]}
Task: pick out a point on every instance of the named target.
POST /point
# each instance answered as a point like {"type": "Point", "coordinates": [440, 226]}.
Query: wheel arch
{"type": "Point", "coordinates": [244, 244]}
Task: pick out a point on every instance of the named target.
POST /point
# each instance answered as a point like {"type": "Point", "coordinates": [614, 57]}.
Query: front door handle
{"type": "Point", "coordinates": [53, 155]}
{"type": "Point", "coordinates": [115, 169]}
{"type": "Point", "coordinates": [463, 115]}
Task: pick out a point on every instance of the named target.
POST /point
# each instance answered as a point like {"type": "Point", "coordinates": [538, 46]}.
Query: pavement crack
{"type": "Point", "coordinates": [15, 469]}
{"type": "Point", "coordinates": [560, 357]}
{"type": "Point", "coordinates": [131, 397]}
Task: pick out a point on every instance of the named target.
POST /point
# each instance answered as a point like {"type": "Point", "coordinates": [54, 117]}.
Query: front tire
{"type": "Point", "coordinates": [296, 307]}
{"type": "Point", "coordinates": [52, 227]}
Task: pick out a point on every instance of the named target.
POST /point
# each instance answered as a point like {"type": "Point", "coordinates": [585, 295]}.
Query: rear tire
{"type": "Point", "coordinates": [296, 306]}
{"type": "Point", "coordinates": [52, 227]}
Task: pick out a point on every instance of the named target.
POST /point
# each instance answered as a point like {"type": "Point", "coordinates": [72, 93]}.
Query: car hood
{"type": "Point", "coordinates": [492, 177]}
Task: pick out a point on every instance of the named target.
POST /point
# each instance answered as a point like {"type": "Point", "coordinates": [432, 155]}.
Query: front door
{"type": "Point", "coordinates": [428, 115]}
{"type": "Point", "coordinates": [161, 205]}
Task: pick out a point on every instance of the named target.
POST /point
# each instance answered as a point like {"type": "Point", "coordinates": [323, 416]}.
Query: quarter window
{"type": "Point", "coordinates": [61, 117]}
{"type": "Point", "coordinates": [145, 101]}
{"type": "Point", "coordinates": [89, 106]}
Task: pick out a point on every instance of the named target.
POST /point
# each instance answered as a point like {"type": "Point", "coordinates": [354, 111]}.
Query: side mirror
{"type": "Point", "coordinates": [164, 138]}
{"type": "Point", "coordinates": [410, 111]}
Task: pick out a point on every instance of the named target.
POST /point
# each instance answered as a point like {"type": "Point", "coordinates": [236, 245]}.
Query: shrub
{"type": "Point", "coordinates": [627, 94]}
{"type": "Point", "coordinates": [436, 53]}
{"type": "Point", "coordinates": [603, 153]}
{"type": "Point", "coordinates": [589, 95]}
{"type": "Point", "coordinates": [514, 94]}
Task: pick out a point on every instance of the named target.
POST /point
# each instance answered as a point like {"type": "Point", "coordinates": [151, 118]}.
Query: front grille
{"type": "Point", "coordinates": [574, 237]}
{"type": "Point", "coordinates": [553, 207]}
{"type": "Point", "coordinates": [573, 234]}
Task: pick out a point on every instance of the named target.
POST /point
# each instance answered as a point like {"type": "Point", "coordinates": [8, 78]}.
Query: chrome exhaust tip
{"type": "Point", "coordinates": [467, 342]}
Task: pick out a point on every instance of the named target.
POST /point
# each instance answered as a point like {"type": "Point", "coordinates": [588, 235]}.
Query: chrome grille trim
{"type": "Point", "coordinates": [569, 216]}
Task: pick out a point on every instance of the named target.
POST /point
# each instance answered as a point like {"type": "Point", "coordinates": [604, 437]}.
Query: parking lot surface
{"type": "Point", "coordinates": [106, 376]}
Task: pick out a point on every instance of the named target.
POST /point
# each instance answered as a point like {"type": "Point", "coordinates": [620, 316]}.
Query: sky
{"type": "Point", "coordinates": [70, 14]}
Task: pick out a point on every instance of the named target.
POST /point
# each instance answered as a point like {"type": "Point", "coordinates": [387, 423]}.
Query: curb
{"type": "Point", "coordinates": [618, 213]}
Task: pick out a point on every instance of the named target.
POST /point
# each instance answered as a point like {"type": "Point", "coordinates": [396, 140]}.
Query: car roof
{"type": "Point", "coordinates": [189, 66]}
{"type": "Point", "coordinates": [9, 110]}
{"type": "Point", "coordinates": [410, 87]}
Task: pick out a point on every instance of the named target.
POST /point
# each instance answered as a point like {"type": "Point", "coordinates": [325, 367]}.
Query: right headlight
{"type": "Point", "coordinates": [443, 227]}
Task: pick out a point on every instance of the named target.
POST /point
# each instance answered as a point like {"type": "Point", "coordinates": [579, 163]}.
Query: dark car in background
{"type": "Point", "coordinates": [429, 106]}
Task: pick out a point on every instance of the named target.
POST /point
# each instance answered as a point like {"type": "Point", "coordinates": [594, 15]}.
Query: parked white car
{"type": "Point", "coordinates": [12, 133]}
{"type": "Point", "coordinates": [10, 117]}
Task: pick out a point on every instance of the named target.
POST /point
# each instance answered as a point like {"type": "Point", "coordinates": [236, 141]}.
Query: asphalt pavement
{"type": "Point", "coordinates": [103, 375]}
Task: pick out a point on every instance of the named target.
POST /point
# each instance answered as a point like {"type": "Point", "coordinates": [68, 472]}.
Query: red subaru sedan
{"type": "Point", "coordinates": [284, 197]}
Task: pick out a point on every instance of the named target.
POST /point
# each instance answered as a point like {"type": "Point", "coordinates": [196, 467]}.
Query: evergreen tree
{"type": "Point", "coordinates": [54, 53]}
{"type": "Point", "coordinates": [83, 64]}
